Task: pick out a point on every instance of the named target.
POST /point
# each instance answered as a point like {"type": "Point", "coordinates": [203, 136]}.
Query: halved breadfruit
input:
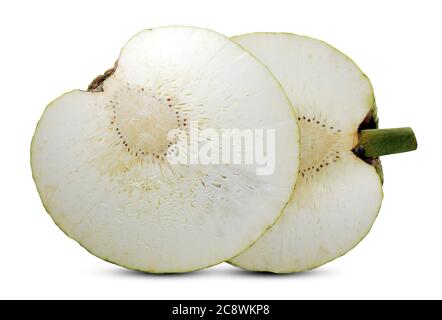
{"type": "Point", "coordinates": [339, 191]}
{"type": "Point", "coordinates": [100, 158]}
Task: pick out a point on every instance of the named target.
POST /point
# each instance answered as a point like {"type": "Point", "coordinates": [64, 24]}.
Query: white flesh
{"type": "Point", "coordinates": [337, 196]}
{"type": "Point", "coordinates": [128, 205]}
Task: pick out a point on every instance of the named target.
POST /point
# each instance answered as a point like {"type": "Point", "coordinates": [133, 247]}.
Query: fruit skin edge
{"type": "Point", "coordinates": [372, 116]}
{"type": "Point", "coordinates": [109, 74]}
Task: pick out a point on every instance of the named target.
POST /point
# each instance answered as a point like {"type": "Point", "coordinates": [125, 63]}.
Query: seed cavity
{"type": "Point", "coordinates": [320, 142]}
{"type": "Point", "coordinates": [142, 120]}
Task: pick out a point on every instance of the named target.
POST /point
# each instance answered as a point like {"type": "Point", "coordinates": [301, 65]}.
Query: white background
{"type": "Point", "coordinates": [49, 47]}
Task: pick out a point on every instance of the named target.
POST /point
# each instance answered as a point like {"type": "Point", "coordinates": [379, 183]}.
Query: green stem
{"type": "Point", "coordinates": [374, 143]}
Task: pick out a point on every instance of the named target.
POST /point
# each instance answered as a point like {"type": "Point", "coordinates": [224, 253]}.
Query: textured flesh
{"type": "Point", "coordinates": [102, 175]}
{"type": "Point", "coordinates": [337, 196]}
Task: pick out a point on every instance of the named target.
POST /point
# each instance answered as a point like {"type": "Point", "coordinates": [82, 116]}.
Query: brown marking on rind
{"type": "Point", "coordinates": [370, 121]}
{"type": "Point", "coordinates": [97, 84]}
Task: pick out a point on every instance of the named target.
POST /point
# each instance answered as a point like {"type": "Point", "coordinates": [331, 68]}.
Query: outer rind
{"type": "Point", "coordinates": [130, 266]}
{"type": "Point", "coordinates": [375, 163]}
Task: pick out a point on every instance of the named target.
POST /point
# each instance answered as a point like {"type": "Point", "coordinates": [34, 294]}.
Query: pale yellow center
{"type": "Point", "coordinates": [320, 144]}
{"type": "Point", "coordinates": [144, 121]}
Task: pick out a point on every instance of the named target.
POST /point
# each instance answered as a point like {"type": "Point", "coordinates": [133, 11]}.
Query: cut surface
{"type": "Point", "coordinates": [100, 162]}
{"type": "Point", "coordinates": [338, 195]}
